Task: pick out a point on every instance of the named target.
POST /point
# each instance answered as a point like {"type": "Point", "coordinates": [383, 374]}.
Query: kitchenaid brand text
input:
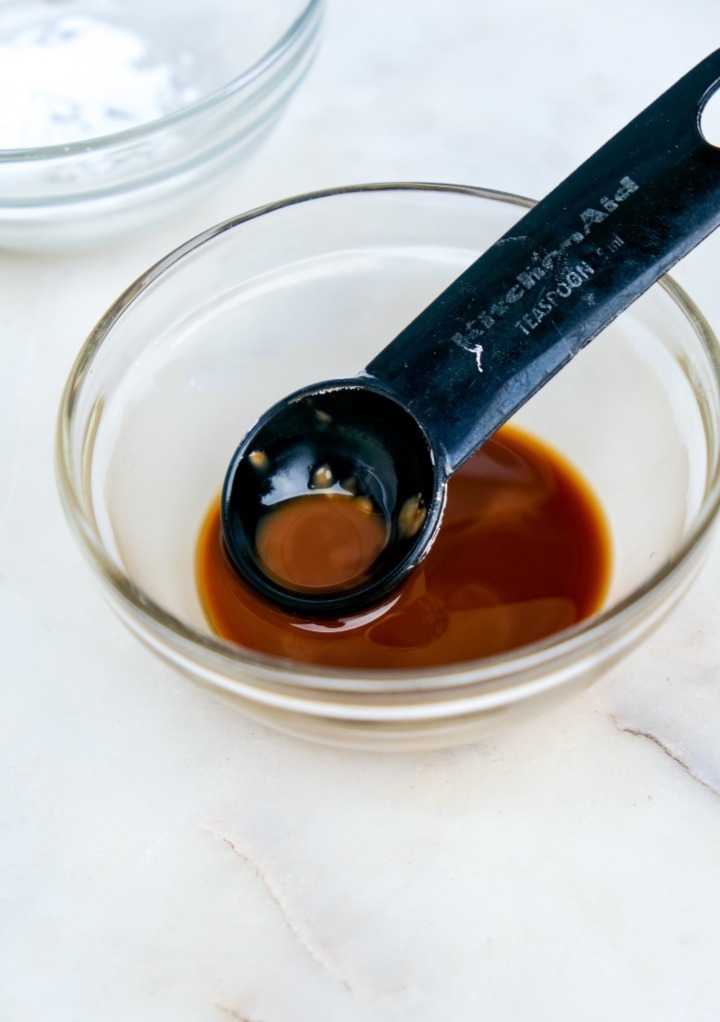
{"type": "Point", "coordinates": [568, 276]}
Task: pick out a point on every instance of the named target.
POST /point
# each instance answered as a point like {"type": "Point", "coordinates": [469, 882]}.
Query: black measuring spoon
{"type": "Point", "coordinates": [398, 430]}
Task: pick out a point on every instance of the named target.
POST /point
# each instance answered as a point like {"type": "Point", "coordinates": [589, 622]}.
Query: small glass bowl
{"type": "Point", "coordinates": [115, 114]}
{"type": "Point", "coordinates": [309, 289]}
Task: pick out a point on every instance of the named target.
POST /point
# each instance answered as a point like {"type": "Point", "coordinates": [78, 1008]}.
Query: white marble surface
{"type": "Point", "coordinates": [162, 858]}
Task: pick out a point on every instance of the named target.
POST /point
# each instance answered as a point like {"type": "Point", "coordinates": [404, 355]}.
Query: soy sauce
{"type": "Point", "coordinates": [321, 541]}
{"type": "Point", "coordinates": [523, 551]}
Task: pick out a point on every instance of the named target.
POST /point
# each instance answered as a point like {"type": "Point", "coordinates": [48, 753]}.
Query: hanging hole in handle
{"type": "Point", "coordinates": [709, 118]}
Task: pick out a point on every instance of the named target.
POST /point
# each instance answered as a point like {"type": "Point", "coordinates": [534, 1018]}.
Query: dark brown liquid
{"type": "Point", "coordinates": [320, 541]}
{"type": "Point", "coordinates": [522, 552]}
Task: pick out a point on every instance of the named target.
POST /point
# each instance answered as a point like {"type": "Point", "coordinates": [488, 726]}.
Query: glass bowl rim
{"type": "Point", "coordinates": [300, 26]}
{"type": "Point", "coordinates": [224, 659]}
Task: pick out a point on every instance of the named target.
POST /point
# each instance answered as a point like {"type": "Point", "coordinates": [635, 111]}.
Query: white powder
{"type": "Point", "coordinates": [78, 78]}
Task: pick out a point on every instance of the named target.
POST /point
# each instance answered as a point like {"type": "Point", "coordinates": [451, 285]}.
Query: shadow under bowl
{"type": "Point", "coordinates": [193, 352]}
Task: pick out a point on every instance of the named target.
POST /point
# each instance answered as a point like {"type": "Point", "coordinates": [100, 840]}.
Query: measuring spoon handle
{"type": "Point", "coordinates": [561, 274]}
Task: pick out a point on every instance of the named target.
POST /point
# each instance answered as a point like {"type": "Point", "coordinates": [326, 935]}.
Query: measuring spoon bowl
{"type": "Point", "coordinates": [486, 345]}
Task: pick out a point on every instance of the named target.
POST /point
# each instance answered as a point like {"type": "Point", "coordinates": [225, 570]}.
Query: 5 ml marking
{"type": "Point", "coordinates": [613, 245]}
{"type": "Point", "coordinates": [541, 264]}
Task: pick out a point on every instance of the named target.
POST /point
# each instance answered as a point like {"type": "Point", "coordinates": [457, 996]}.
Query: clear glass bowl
{"type": "Point", "coordinates": [114, 114]}
{"type": "Point", "coordinates": [309, 289]}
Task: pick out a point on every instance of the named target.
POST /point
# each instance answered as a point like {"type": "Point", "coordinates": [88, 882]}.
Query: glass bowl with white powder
{"type": "Point", "coordinates": [112, 114]}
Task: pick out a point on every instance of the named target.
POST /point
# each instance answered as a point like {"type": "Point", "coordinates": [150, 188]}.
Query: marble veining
{"type": "Point", "coordinates": [668, 752]}
{"type": "Point", "coordinates": [290, 917]}
{"type": "Point", "coordinates": [163, 858]}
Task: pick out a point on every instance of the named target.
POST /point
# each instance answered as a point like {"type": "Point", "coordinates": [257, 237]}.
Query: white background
{"type": "Point", "coordinates": [164, 859]}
